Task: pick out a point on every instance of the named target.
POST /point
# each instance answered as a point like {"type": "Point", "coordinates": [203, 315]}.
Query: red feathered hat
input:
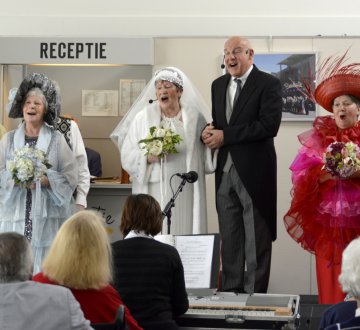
{"type": "Point", "coordinates": [337, 79]}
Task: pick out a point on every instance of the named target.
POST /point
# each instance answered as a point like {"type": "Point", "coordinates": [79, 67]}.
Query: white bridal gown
{"type": "Point", "coordinates": [182, 212]}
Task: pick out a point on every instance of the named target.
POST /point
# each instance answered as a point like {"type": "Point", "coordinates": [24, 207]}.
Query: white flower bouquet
{"type": "Point", "coordinates": [160, 142]}
{"type": "Point", "coordinates": [342, 159]}
{"type": "Point", "coordinates": [27, 165]}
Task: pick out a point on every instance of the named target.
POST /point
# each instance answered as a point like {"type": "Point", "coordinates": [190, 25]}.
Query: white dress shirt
{"type": "Point", "coordinates": [79, 151]}
{"type": "Point", "coordinates": [233, 85]}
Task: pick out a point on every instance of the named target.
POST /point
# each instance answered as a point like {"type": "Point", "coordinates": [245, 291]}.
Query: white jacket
{"type": "Point", "coordinates": [198, 157]}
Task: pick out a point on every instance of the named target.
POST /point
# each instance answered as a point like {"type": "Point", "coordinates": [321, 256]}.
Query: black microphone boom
{"type": "Point", "coordinates": [190, 177]}
{"type": "Point", "coordinates": [151, 101]}
{"type": "Point", "coordinates": [222, 66]}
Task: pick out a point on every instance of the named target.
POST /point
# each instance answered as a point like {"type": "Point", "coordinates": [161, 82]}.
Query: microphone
{"type": "Point", "coordinates": [151, 101]}
{"type": "Point", "coordinates": [222, 66]}
{"type": "Point", "coordinates": [190, 177]}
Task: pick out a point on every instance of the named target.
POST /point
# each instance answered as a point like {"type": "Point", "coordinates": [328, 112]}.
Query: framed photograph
{"type": "Point", "coordinates": [100, 103]}
{"type": "Point", "coordinates": [130, 89]}
{"type": "Point", "coordinates": [295, 70]}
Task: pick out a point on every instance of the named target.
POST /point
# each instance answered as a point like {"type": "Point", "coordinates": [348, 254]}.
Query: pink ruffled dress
{"type": "Point", "coordinates": [323, 217]}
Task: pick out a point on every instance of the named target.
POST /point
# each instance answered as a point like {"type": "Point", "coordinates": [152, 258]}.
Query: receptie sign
{"type": "Point", "coordinates": [31, 50]}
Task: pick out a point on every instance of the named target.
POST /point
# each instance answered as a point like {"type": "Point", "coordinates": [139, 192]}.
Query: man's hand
{"type": "Point", "coordinates": [213, 138]}
{"type": "Point", "coordinates": [207, 131]}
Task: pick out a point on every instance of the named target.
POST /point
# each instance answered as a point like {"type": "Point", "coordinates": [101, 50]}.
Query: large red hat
{"type": "Point", "coordinates": [337, 79]}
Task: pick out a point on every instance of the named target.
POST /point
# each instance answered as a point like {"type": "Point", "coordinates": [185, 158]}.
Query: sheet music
{"type": "Point", "coordinates": [196, 253]}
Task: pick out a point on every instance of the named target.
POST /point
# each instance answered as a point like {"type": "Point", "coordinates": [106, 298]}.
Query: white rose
{"type": "Point", "coordinates": [159, 132]}
{"type": "Point", "coordinates": [156, 148]}
{"type": "Point", "coordinates": [25, 169]}
{"type": "Point", "coordinates": [11, 165]}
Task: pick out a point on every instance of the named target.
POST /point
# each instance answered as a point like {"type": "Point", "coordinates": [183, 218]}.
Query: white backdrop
{"type": "Point", "coordinates": [157, 18]}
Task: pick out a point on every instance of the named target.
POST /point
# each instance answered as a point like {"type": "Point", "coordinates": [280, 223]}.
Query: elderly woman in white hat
{"type": "Point", "coordinates": [38, 172]}
{"type": "Point", "coordinates": [172, 102]}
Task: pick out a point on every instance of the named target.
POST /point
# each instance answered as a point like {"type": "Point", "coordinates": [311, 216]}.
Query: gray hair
{"type": "Point", "coordinates": [39, 93]}
{"type": "Point", "coordinates": [350, 269]}
{"type": "Point", "coordinates": [50, 90]}
{"type": "Point", "coordinates": [16, 260]}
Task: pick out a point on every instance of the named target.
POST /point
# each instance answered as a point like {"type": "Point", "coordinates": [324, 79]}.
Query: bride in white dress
{"type": "Point", "coordinates": [178, 106]}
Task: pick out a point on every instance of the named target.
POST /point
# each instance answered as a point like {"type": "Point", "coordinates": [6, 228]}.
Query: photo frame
{"type": "Point", "coordinates": [129, 91]}
{"type": "Point", "coordinates": [294, 71]}
{"type": "Point", "coordinates": [100, 103]}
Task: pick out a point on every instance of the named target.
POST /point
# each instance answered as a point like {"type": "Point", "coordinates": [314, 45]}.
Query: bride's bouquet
{"type": "Point", "coordinates": [342, 159]}
{"type": "Point", "coordinates": [160, 141]}
{"type": "Point", "coordinates": [27, 165]}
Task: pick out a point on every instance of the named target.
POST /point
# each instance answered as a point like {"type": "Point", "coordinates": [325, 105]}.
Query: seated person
{"type": "Point", "coordinates": [80, 259]}
{"type": "Point", "coordinates": [29, 305]}
{"type": "Point", "coordinates": [68, 126]}
{"type": "Point", "coordinates": [148, 274]}
{"type": "Point", "coordinates": [347, 314]}
{"type": "Point", "coordinates": [339, 312]}
{"type": "Point", "coordinates": [94, 162]}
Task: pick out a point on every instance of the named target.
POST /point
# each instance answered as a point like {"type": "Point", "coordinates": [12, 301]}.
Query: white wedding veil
{"type": "Point", "coordinates": [191, 98]}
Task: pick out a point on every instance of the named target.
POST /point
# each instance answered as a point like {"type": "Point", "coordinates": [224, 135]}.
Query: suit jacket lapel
{"type": "Point", "coordinates": [222, 99]}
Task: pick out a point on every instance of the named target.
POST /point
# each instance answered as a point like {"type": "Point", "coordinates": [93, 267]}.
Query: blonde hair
{"type": "Point", "coordinates": [80, 255]}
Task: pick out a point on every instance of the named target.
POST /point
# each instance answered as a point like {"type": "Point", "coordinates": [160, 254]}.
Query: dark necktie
{"type": "Point", "coordinates": [238, 90]}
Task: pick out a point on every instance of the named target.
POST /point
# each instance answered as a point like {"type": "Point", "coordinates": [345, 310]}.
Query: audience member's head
{"type": "Point", "coordinates": [141, 213]}
{"type": "Point", "coordinates": [16, 261]}
{"type": "Point", "coordinates": [350, 269]}
{"type": "Point", "coordinates": [80, 255]}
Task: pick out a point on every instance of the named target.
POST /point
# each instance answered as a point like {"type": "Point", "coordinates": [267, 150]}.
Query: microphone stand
{"type": "Point", "coordinates": [167, 210]}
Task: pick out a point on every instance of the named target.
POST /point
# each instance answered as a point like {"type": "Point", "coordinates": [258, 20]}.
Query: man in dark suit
{"type": "Point", "coordinates": [94, 162]}
{"type": "Point", "coordinates": [246, 118]}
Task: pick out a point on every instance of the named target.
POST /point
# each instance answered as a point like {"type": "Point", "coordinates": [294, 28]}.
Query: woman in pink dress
{"type": "Point", "coordinates": [324, 215]}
